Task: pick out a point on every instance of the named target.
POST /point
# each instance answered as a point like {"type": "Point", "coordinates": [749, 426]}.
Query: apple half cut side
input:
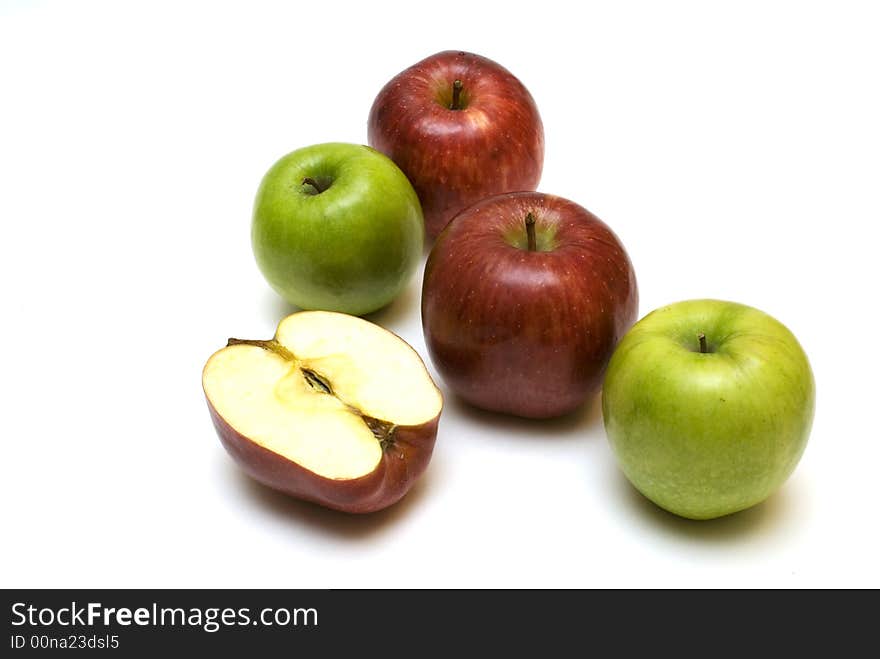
{"type": "Point", "coordinates": [333, 410]}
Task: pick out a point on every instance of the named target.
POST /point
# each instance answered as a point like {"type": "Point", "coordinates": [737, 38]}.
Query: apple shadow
{"type": "Point", "coordinates": [278, 307]}
{"type": "Point", "coordinates": [745, 524]}
{"type": "Point", "coordinates": [350, 526]}
{"type": "Point", "coordinates": [389, 316]}
{"type": "Point", "coordinates": [568, 426]}
{"type": "Point", "coordinates": [393, 313]}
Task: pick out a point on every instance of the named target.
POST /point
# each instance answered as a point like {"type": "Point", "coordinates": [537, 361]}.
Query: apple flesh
{"type": "Point", "coordinates": [461, 127]}
{"type": "Point", "coordinates": [524, 298]}
{"type": "Point", "coordinates": [333, 409]}
{"type": "Point", "coordinates": [708, 406]}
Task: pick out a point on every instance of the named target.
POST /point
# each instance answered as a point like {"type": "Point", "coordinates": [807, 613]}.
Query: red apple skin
{"type": "Point", "coordinates": [401, 464]}
{"type": "Point", "coordinates": [454, 158]}
{"type": "Point", "coordinates": [523, 332]}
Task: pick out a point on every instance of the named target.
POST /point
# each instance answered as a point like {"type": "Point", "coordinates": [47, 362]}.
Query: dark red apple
{"type": "Point", "coordinates": [525, 297]}
{"type": "Point", "coordinates": [461, 127]}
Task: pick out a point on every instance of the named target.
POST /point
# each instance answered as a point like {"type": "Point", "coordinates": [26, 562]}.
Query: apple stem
{"type": "Point", "coordinates": [530, 233]}
{"type": "Point", "coordinates": [703, 347]}
{"type": "Point", "coordinates": [308, 180]}
{"type": "Point", "coordinates": [456, 95]}
{"type": "Point", "coordinates": [271, 344]}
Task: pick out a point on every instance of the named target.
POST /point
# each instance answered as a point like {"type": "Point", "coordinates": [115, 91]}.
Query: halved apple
{"type": "Point", "coordinates": [333, 409]}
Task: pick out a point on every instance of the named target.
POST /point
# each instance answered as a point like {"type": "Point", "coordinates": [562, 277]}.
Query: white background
{"type": "Point", "coordinates": [733, 148]}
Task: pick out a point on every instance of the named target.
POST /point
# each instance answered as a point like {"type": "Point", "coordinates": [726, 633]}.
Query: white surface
{"type": "Point", "coordinates": [734, 149]}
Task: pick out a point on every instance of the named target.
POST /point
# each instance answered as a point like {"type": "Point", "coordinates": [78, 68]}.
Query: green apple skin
{"type": "Point", "coordinates": [353, 246]}
{"type": "Point", "coordinates": [708, 434]}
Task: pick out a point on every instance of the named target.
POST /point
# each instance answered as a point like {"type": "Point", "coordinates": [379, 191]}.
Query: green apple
{"type": "Point", "coordinates": [708, 406]}
{"type": "Point", "coordinates": [337, 227]}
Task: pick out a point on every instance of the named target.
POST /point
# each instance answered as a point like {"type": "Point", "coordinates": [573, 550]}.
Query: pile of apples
{"type": "Point", "coordinates": [528, 306]}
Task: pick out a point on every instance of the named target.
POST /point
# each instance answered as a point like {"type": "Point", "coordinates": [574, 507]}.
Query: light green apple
{"type": "Point", "coordinates": [708, 406]}
{"type": "Point", "coordinates": [337, 227]}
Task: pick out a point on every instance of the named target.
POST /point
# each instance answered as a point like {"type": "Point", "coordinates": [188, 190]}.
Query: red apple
{"type": "Point", "coordinates": [461, 127]}
{"type": "Point", "coordinates": [333, 409]}
{"type": "Point", "coordinates": [525, 297]}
